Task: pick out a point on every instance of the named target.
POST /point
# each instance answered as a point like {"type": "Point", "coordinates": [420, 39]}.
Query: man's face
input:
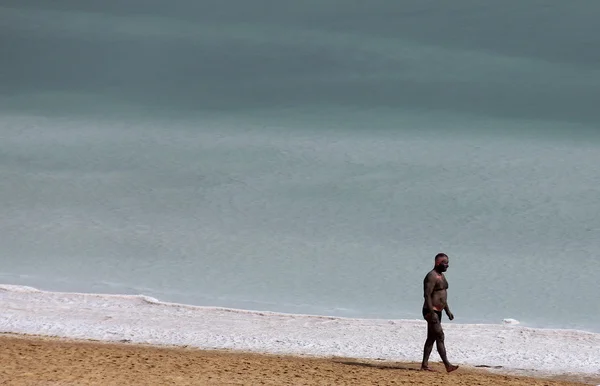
{"type": "Point", "coordinates": [443, 264]}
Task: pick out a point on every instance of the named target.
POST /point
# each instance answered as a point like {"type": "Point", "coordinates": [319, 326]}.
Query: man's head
{"type": "Point", "coordinates": [441, 262]}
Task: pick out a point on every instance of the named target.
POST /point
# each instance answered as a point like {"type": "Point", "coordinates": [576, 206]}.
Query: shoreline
{"type": "Point", "coordinates": [139, 319]}
{"type": "Point", "coordinates": [509, 322]}
{"type": "Point", "coordinates": [39, 359]}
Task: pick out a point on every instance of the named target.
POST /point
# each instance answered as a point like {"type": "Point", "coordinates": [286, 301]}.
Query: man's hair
{"type": "Point", "coordinates": [440, 256]}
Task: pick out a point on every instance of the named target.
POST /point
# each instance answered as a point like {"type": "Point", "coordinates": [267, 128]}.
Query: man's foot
{"type": "Point", "coordinates": [427, 368]}
{"type": "Point", "coordinates": [451, 368]}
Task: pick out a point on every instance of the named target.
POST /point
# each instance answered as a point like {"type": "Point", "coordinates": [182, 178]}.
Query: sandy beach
{"type": "Point", "coordinates": [35, 360]}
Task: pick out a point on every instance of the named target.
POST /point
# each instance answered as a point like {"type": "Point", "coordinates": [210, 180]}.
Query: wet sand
{"type": "Point", "coordinates": [33, 360]}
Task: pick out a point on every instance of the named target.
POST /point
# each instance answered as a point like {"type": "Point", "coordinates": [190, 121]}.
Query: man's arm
{"type": "Point", "coordinates": [428, 291]}
{"type": "Point", "coordinates": [448, 312]}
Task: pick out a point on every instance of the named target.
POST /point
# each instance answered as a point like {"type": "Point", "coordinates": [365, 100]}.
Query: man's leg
{"type": "Point", "coordinates": [431, 338]}
{"type": "Point", "coordinates": [441, 347]}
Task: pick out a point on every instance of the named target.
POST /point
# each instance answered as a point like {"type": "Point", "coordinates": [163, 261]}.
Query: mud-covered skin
{"type": "Point", "coordinates": [435, 288]}
{"type": "Point", "coordinates": [435, 293]}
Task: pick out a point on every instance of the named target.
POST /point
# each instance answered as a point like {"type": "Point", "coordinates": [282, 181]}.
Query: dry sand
{"type": "Point", "coordinates": [31, 360]}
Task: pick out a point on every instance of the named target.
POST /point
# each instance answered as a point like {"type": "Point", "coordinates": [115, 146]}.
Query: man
{"type": "Point", "coordinates": [436, 299]}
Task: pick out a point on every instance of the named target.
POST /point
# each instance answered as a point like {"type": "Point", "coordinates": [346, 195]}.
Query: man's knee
{"type": "Point", "coordinates": [438, 332]}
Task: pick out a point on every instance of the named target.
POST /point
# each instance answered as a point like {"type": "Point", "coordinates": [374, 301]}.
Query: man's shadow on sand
{"type": "Point", "coordinates": [401, 366]}
{"type": "Point", "coordinates": [382, 366]}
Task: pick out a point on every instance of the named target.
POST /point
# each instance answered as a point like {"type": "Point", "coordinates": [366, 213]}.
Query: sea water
{"type": "Point", "coordinates": [331, 222]}
{"type": "Point", "coordinates": [311, 159]}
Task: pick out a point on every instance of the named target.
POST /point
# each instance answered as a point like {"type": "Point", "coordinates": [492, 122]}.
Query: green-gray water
{"type": "Point", "coordinates": [305, 156]}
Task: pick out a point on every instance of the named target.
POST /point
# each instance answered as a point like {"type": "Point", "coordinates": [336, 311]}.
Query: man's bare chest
{"type": "Point", "coordinates": [440, 283]}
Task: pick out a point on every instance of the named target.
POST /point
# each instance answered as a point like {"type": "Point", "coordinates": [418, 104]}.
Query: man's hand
{"type": "Point", "coordinates": [450, 314]}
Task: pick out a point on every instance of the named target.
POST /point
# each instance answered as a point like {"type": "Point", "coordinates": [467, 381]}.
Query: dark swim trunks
{"type": "Point", "coordinates": [426, 311]}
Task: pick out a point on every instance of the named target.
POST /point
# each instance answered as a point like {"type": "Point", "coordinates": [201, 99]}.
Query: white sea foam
{"type": "Point", "coordinates": [141, 319]}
